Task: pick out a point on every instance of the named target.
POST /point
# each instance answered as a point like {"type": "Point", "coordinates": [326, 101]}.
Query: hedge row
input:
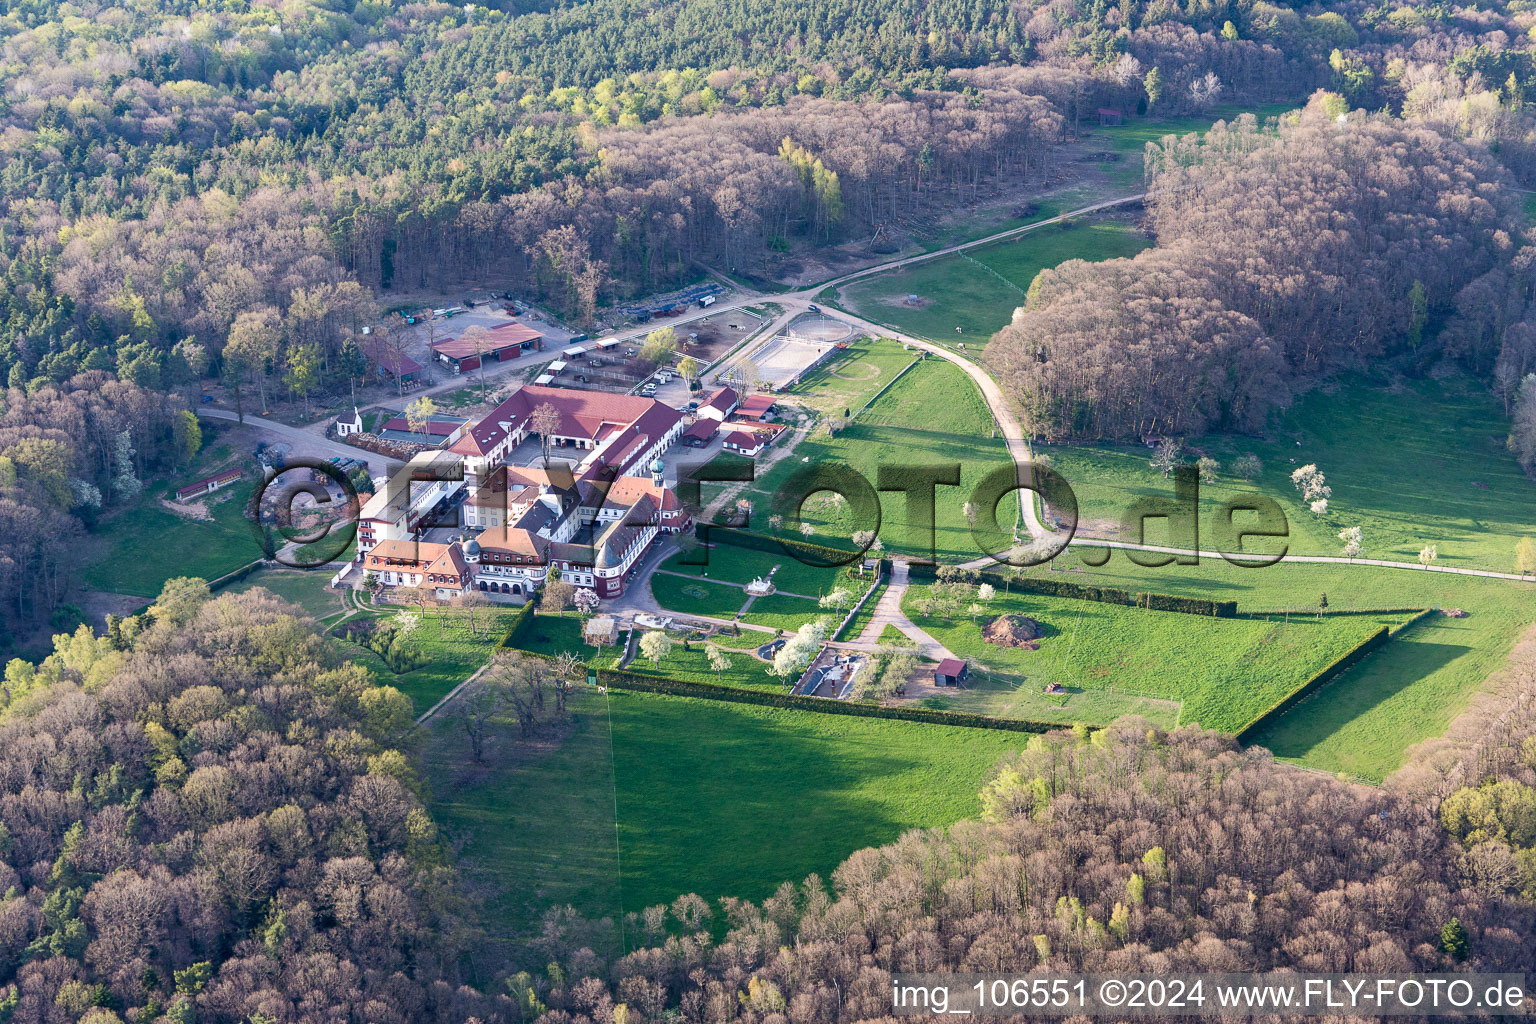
{"type": "Point", "coordinates": [823, 705]}
{"type": "Point", "coordinates": [520, 620]}
{"type": "Point", "coordinates": [1104, 595]}
{"type": "Point", "coordinates": [235, 577]}
{"type": "Point", "coordinates": [1326, 675]}
{"type": "Point", "coordinates": [1417, 612]}
{"type": "Point", "coordinates": [714, 691]}
{"type": "Point", "coordinates": [813, 554]}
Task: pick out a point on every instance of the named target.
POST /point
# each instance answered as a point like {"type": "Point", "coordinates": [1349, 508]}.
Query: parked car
{"type": "Point", "coordinates": [814, 309]}
{"type": "Point", "coordinates": [581, 377]}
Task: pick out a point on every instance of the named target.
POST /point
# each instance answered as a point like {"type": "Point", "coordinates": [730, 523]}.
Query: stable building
{"type": "Point", "coordinates": [500, 344]}
{"type": "Point", "coordinates": [951, 672]}
{"type": "Point", "coordinates": [754, 408]}
{"type": "Point", "coordinates": [208, 485]}
{"type": "Point", "coordinates": [720, 405]}
{"type": "Point", "coordinates": [397, 366]}
{"type": "Point", "coordinates": [744, 442]}
{"type": "Point", "coordinates": [700, 432]}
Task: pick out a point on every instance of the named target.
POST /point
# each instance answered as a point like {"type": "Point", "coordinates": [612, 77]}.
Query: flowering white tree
{"type": "Point", "coordinates": [986, 592]}
{"type": "Point", "coordinates": [839, 600]}
{"type": "Point", "coordinates": [586, 601]}
{"type": "Point", "coordinates": [1428, 555]}
{"type": "Point", "coordinates": [719, 661]}
{"type": "Point", "coordinates": [797, 653]}
{"type": "Point", "coordinates": [1310, 481]}
{"type": "Point", "coordinates": [1319, 507]}
{"type": "Point", "coordinates": [405, 624]}
{"type": "Point", "coordinates": [655, 645]}
{"type": "Point", "coordinates": [1354, 540]}
{"type": "Point", "coordinates": [806, 529]}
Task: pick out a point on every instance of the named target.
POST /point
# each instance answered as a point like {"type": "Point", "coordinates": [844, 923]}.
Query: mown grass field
{"type": "Point", "coordinates": [746, 671]}
{"type": "Point", "coordinates": [304, 587]}
{"type": "Point", "coordinates": [853, 378]}
{"type": "Point", "coordinates": [933, 416]}
{"type": "Point", "coordinates": [137, 549]}
{"type": "Point", "coordinates": [1364, 722]}
{"type": "Point", "coordinates": [977, 291]}
{"type": "Point", "coordinates": [1410, 462]}
{"type": "Point", "coordinates": [714, 798]}
{"type": "Point", "coordinates": [533, 824]}
{"type": "Point", "coordinates": [731, 799]}
{"type": "Point", "coordinates": [1224, 672]}
{"type": "Point", "coordinates": [783, 611]}
{"type": "Point", "coordinates": [696, 596]}
{"type": "Point", "coordinates": [453, 652]}
{"type": "Point", "coordinates": [557, 634]}
{"type": "Point", "coordinates": [724, 560]}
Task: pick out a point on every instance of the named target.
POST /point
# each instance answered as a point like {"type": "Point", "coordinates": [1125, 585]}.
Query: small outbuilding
{"type": "Point", "coordinates": [700, 432]}
{"type": "Point", "coordinates": [951, 672]}
{"type": "Point", "coordinates": [601, 630]}
{"type": "Point", "coordinates": [743, 443]}
{"type": "Point", "coordinates": [208, 485]}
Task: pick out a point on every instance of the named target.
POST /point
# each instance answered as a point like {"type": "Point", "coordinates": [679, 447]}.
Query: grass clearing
{"type": "Point", "coordinates": [933, 416]}
{"type": "Point", "coordinates": [732, 799]}
{"type": "Point", "coordinates": [1364, 721]}
{"type": "Point", "coordinates": [977, 291]}
{"type": "Point", "coordinates": [1410, 462]}
{"type": "Point", "coordinates": [132, 543]}
{"type": "Point", "coordinates": [556, 634]}
{"type": "Point", "coordinates": [306, 588]}
{"type": "Point", "coordinates": [692, 596]}
{"type": "Point", "coordinates": [533, 824]}
{"type": "Point", "coordinates": [714, 798]}
{"type": "Point", "coordinates": [1225, 672]}
{"type": "Point", "coordinates": [452, 652]}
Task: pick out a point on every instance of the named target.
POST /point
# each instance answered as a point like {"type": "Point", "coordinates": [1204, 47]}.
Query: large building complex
{"type": "Point", "coordinates": [587, 514]}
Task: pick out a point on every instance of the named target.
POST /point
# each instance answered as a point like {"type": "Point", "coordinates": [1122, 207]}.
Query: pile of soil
{"type": "Point", "coordinates": [1013, 631]}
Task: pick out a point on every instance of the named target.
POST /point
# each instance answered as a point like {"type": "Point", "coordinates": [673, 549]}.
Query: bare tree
{"type": "Point", "coordinates": [545, 422]}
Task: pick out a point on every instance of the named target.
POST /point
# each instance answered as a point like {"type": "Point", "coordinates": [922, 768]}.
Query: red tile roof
{"type": "Point", "coordinates": [754, 406]}
{"type": "Point", "coordinates": [396, 364]}
{"type": "Point", "coordinates": [582, 414]}
{"type": "Point", "coordinates": [703, 430]}
{"type": "Point", "coordinates": [497, 338]}
{"type": "Point", "coordinates": [724, 400]}
{"type": "Point", "coordinates": [742, 439]}
{"type": "Point", "coordinates": [950, 667]}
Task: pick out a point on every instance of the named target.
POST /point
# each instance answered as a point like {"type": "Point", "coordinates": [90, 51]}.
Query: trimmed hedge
{"type": "Point", "coordinates": [236, 576]}
{"type": "Point", "coordinates": [1103, 595]}
{"type": "Point", "coordinates": [822, 705]}
{"type": "Point", "coordinates": [714, 691]}
{"type": "Point", "coordinates": [1326, 675]}
{"type": "Point", "coordinates": [1417, 613]}
{"type": "Point", "coordinates": [723, 538]}
{"type": "Point", "coordinates": [520, 621]}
